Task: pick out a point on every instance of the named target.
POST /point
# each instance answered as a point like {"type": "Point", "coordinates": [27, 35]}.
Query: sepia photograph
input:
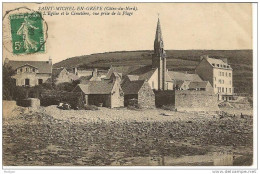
{"type": "Point", "coordinates": [128, 84]}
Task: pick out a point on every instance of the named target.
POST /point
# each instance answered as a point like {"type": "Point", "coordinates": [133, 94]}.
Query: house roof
{"type": "Point", "coordinates": [73, 76]}
{"type": "Point", "coordinates": [133, 77]}
{"type": "Point", "coordinates": [194, 85]}
{"type": "Point", "coordinates": [97, 87]}
{"type": "Point", "coordinates": [42, 66]}
{"type": "Point", "coordinates": [124, 70]}
{"type": "Point", "coordinates": [56, 72]}
{"type": "Point", "coordinates": [137, 72]}
{"type": "Point", "coordinates": [132, 87]}
{"type": "Point", "coordinates": [213, 62]}
{"type": "Point", "coordinates": [180, 83]}
{"type": "Point", "coordinates": [174, 75]}
{"type": "Point", "coordinates": [86, 79]}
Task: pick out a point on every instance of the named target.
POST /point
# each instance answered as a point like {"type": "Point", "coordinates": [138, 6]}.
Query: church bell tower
{"type": "Point", "coordinates": [159, 57]}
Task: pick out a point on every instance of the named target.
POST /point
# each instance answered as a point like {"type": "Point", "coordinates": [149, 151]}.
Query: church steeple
{"type": "Point", "coordinates": [159, 57]}
{"type": "Point", "coordinates": [158, 41]}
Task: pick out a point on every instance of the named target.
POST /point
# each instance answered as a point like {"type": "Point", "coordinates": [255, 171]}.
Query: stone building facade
{"type": "Point", "coordinates": [220, 75]}
{"type": "Point", "coordinates": [138, 91]}
{"type": "Point", "coordinates": [106, 93]}
{"type": "Point", "coordinates": [61, 75]}
{"type": "Point", "coordinates": [30, 73]}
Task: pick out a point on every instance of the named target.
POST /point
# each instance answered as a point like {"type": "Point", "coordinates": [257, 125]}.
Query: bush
{"type": "Point", "coordinates": [53, 97]}
{"type": "Point", "coordinates": [66, 86]}
{"type": "Point", "coordinates": [91, 107]}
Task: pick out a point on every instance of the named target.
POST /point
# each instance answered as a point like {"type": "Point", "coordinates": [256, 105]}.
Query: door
{"type": "Point", "coordinates": [40, 81]}
{"type": "Point", "coordinates": [27, 82]}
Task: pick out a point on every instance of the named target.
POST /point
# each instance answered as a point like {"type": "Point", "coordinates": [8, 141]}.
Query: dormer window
{"type": "Point", "coordinates": [217, 65]}
{"type": "Point", "coordinates": [213, 64]}
{"type": "Point", "coordinates": [224, 66]}
{"type": "Point", "coordinates": [228, 66]}
{"type": "Point", "coordinates": [33, 70]}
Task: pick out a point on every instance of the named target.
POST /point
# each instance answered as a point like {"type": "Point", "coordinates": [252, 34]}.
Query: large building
{"type": "Point", "coordinates": [30, 73]}
{"type": "Point", "coordinates": [219, 73]}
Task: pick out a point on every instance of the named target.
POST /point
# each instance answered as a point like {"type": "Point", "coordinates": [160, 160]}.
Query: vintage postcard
{"type": "Point", "coordinates": [128, 84]}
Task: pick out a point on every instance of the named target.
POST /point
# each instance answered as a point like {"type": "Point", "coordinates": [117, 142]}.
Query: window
{"type": "Point", "coordinates": [222, 73]}
{"type": "Point", "coordinates": [213, 64]}
{"type": "Point", "coordinates": [223, 90]}
{"type": "Point", "coordinates": [219, 81]}
{"type": "Point", "coordinates": [27, 82]}
{"type": "Point", "coordinates": [229, 74]}
{"type": "Point", "coordinates": [217, 65]}
{"type": "Point", "coordinates": [226, 89]}
{"type": "Point", "coordinates": [224, 66]}
{"type": "Point", "coordinates": [40, 81]}
{"type": "Point", "coordinates": [230, 91]}
{"type": "Point", "coordinates": [21, 70]}
{"type": "Point", "coordinates": [226, 73]}
{"type": "Point", "coordinates": [27, 69]}
{"type": "Point", "coordinates": [33, 70]}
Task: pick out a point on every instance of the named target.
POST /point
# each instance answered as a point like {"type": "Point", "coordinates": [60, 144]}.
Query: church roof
{"type": "Point", "coordinates": [174, 75]}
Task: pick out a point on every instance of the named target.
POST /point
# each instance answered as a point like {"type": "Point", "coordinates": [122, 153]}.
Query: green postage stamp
{"type": "Point", "coordinates": [27, 33]}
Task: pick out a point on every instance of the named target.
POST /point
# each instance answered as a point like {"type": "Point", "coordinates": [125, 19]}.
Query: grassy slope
{"type": "Point", "coordinates": [178, 60]}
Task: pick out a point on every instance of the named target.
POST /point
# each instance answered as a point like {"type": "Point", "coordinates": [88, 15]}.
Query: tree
{"type": "Point", "coordinates": [9, 85]}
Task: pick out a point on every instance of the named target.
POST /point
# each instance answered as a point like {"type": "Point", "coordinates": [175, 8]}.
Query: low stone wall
{"type": "Point", "coordinates": [187, 100]}
{"type": "Point", "coordinates": [30, 102]}
{"type": "Point", "coordinates": [164, 98]}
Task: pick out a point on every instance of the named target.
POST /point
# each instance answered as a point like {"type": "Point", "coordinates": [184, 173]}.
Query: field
{"type": "Point", "coordinates": [178, 60]}
{"type": "Point", "coordinates": [51, 137]}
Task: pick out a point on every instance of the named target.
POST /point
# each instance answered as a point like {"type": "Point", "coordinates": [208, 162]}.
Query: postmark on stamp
{"type": "Point", "coordinates": [27, 33]}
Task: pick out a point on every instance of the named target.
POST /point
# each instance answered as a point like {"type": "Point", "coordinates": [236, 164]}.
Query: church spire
{"type": "Point", "coordinates": [158, 41]}
{"type": "Point", "coordinates": [159, 57]}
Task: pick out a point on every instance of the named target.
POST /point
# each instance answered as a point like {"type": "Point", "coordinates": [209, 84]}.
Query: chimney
{"type": "Point", "coordinates": [50, 61]}
{"type": "Point", "coordinates": [94, 73]}
{"type": "Point", "coordinates": [224, 60]}
{"type": "Point", "coordinates": [6, 61]}
{"type": "Point", "coordinates": [75, 70]}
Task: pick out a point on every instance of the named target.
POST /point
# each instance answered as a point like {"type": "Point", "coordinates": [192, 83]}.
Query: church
{"type": "Point", "coordinates": [156, 74]}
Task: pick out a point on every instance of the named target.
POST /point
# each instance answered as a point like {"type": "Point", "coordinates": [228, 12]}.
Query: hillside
{"type": "Point", "coordinates": [178, 60]}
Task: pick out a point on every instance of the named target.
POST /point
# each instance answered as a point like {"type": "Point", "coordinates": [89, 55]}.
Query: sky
{"type": "Point", "coordinates": [184, 26]}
